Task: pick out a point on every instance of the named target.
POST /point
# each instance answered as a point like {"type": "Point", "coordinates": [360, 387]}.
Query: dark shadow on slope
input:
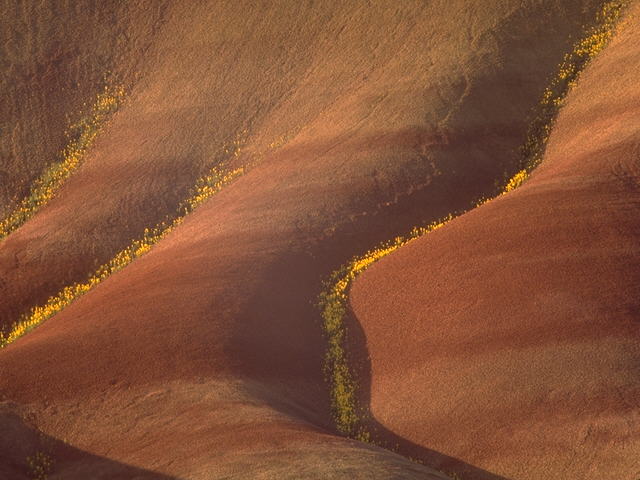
{"type": "Point", "coordinates": [270, 327]}
{"type": "Point", "coordinates": [26, 453]}
{"type": "Point", "coordinates": [311, 402]}
{"type": "Point", "coordinates": [439, 169]}
{"type": "Point", "coordinates": [381, 435]}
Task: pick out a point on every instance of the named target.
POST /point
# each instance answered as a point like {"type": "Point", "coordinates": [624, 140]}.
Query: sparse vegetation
{"type": "Point", "coordinates": [333, 303]}
{"type": "Point", "coordinates": [349, 417]}
{"type": "Point", "coordinates": [595, 39]}
{"type": "Point", "coordinates": [205, 187]}
{"type": "Point", "coordinates": [40, 466]}
{"type": "Point", "coordinates": [82, 134]}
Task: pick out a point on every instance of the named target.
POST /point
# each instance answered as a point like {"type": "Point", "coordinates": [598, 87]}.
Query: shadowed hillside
{"type": "Point", "coordinates": [426, 116]}
{"type": "Point", "coordinates": [509, 338]}
{"type": "Point", "coordinates": [346, 123]}
{"type": "Point", "coordinates": [55, 57]}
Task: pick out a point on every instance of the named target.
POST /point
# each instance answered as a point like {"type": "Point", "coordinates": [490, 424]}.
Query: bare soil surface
{"type": "Point", "coordinates": [510, 337]}
{"type": "Point", "coordinates": [203, 359]}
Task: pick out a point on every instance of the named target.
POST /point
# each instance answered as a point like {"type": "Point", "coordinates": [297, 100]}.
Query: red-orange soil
{"type": "Point", "coordinates": [510, 338]}
{"type": "Point", "coordinates": [203, 359]}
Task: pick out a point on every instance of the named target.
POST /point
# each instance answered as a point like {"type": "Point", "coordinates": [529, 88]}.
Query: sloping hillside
{"type": "Point", "coordinates": [509, 338]}
{"type": "Point", "coordinates": [352, 123]}
{"type": "Point", "coordinates": [54, 59]}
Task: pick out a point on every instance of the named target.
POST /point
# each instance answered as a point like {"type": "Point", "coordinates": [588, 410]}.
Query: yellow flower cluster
{"type": "Point", "coordinates": [515, 181]}
{"type": "Point", "coordinates": [592, 43]}
{"type": "Point", "coordinates": [348, 417]}
{"type": "Point", "coordinates": [213, 182]}
{"type": "Point", "coordinates": [206, 187]}
{"type": "Point", "coordinates": [40, 466]}
{"type": "Point", "coordinates": [333, 305]}
{"type": "Point", "coordinates": [600, 35]}
{"type": "Point", "coordinates": [278, 142]}
{"type": "Point", "coordinates": [45, 187]}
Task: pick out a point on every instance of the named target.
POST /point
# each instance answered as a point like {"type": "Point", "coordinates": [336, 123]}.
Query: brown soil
{"type": "Point", "coordinates": [510, 338]}
{"type": "Point", "coordinates": [203, 359]}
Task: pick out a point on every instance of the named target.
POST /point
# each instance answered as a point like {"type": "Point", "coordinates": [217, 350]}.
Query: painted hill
{"type": "Point", "coordinates": [509, 338]}
{"type": "Point", "coordinates": [350, 123]}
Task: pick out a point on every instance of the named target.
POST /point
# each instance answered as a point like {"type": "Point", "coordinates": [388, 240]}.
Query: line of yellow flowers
{"type": "Point", "coordinates": [592, 43]}
{"type": "Point", "coordinates": [333, 302]}
{"type": "Point", "coordinates": [47, 184]}
{"type": "Point", "coordinates": [349, 416]}
{"type": "Point", "coordinates": [205, 187]}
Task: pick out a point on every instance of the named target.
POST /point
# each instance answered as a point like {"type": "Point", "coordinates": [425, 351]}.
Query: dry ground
{"type": "Point", "coordinates": [203, 359]}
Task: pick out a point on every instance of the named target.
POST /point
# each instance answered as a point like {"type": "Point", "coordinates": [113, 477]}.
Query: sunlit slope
{"type": "Point", "coordinates": [204, 358]}
{"type": "Point", "coordinates": [509, 338]}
